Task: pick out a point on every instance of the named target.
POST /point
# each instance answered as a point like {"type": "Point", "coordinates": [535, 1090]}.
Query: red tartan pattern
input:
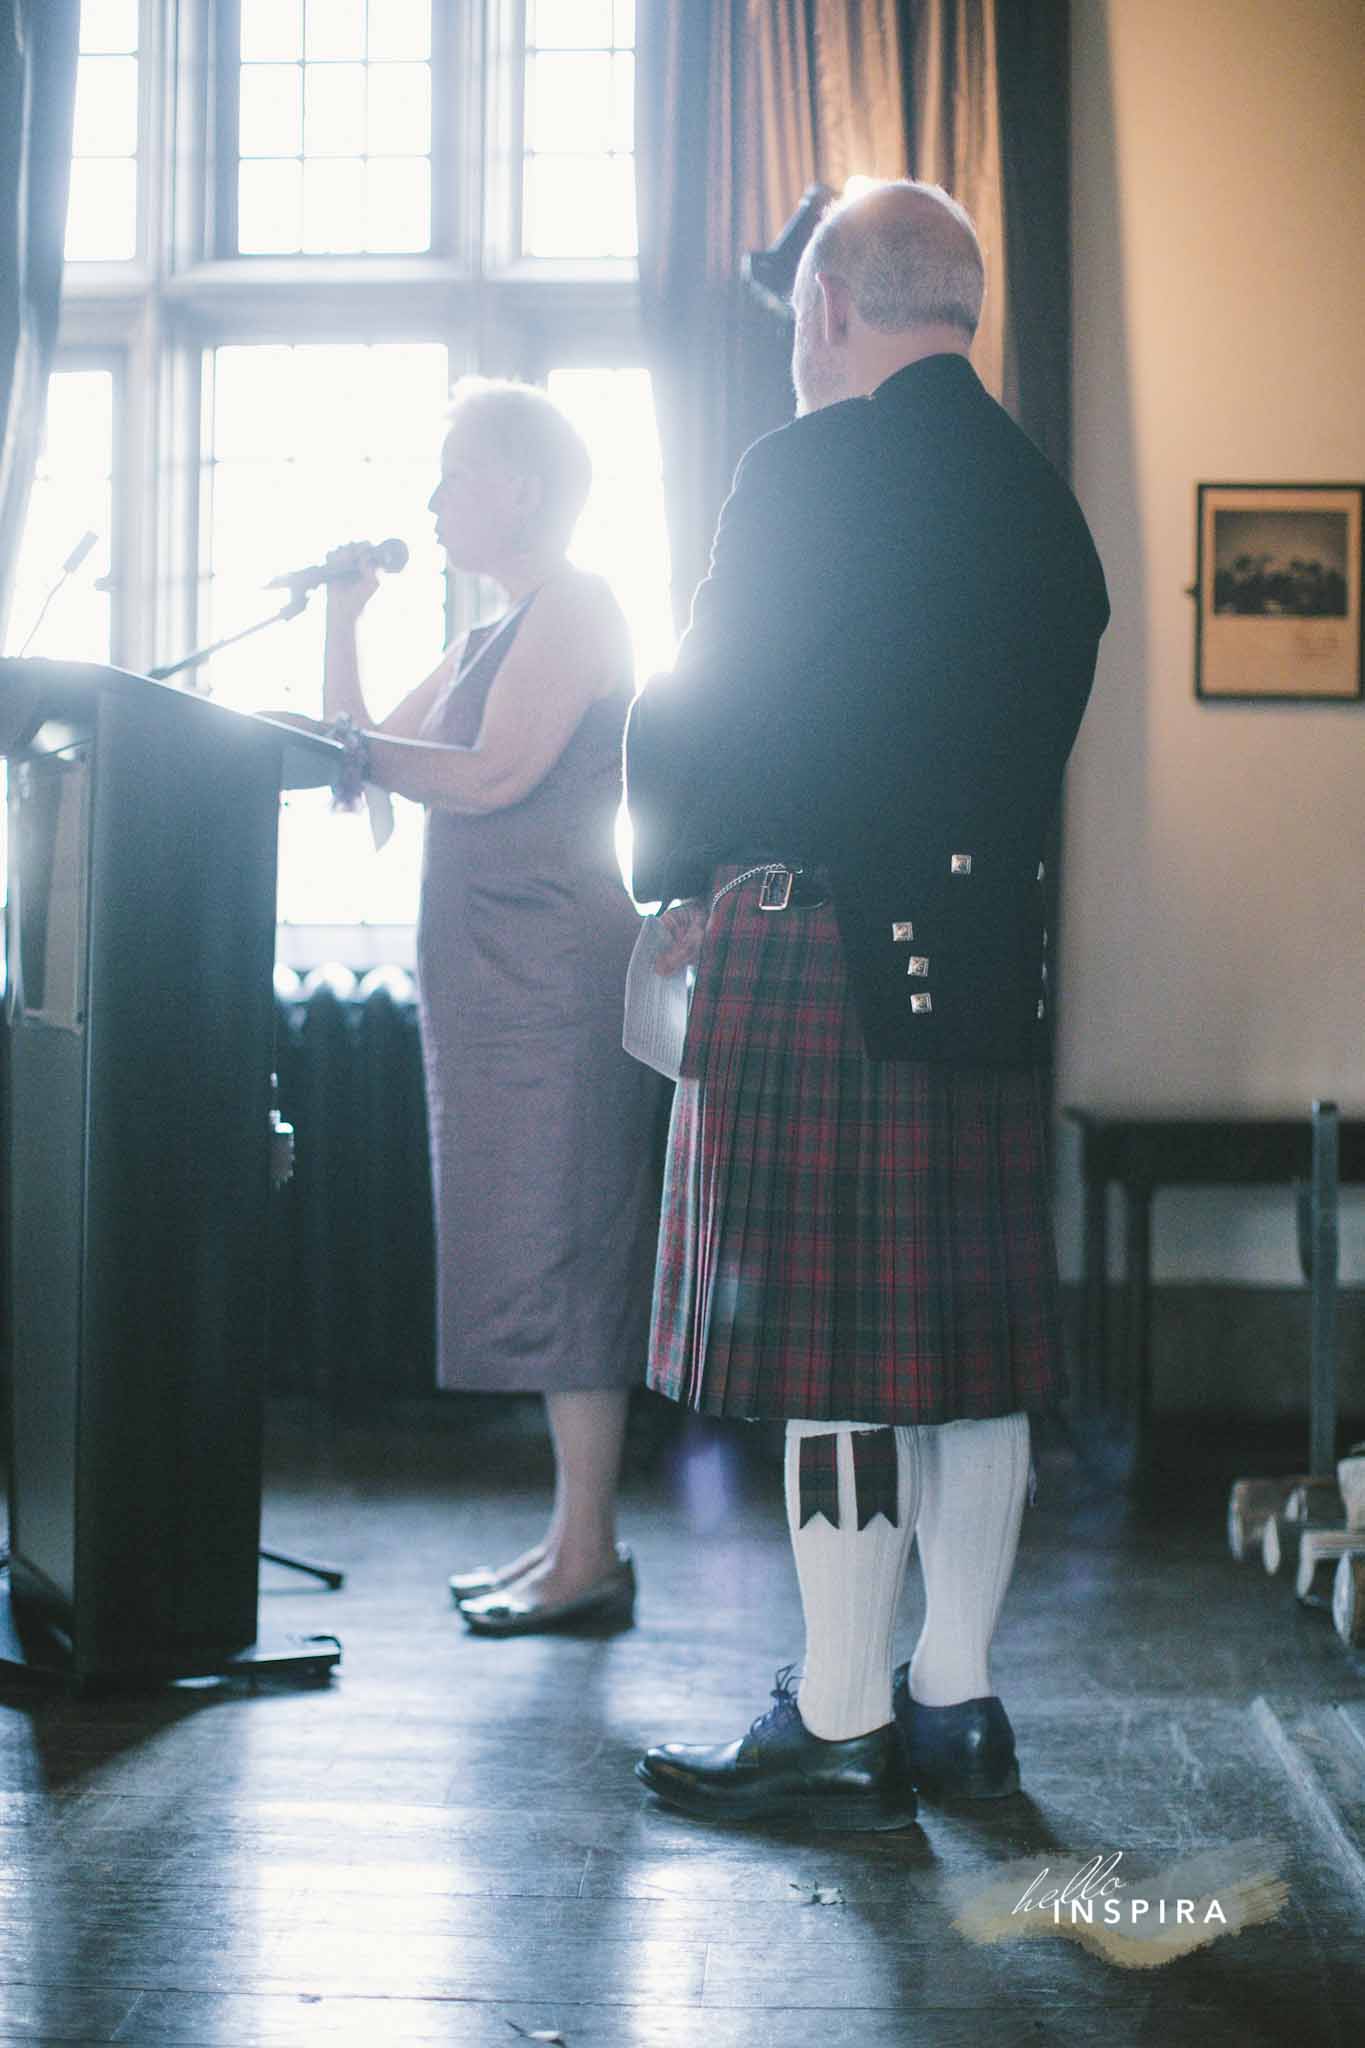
{"type": "Point", "coordinates": [817, 1479]}
{"type": "Point", "coordinates": [844, 1238]}
{"type": "Point", "coordinates": [876, 1475]}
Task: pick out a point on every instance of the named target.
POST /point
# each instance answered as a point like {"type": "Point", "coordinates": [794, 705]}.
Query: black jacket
{"type": "Point", "coordinates": [885, 669]}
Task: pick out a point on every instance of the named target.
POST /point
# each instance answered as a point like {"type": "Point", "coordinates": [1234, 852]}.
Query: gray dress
{"type": "Point", "coordinates": [542, 1128]}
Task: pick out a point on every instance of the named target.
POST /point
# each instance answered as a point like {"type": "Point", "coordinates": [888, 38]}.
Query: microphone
{"type": "Point", "coordinates": [389, 555]}
{"type": "Point", "coordinates": [79, 553]}
{"type": "Point", "coordinates": [69, 568]}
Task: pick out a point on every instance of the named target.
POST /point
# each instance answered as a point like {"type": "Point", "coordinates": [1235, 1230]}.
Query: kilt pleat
{"type": "Point", "coordinates": [844, 1238]}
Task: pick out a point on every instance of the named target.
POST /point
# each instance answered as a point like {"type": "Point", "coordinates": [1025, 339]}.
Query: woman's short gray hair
{"type": "Point", "coordinates": [524, 426]}
{"type": "Point", "coordinates": [908, 254]}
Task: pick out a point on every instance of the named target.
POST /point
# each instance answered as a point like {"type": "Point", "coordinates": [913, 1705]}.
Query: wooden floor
{"type": "Point", "coordinates": [447, 1844]}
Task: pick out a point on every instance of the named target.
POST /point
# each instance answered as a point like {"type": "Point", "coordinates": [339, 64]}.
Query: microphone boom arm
{"type": "Point", "coordinates": [388, 555]}
{"type": "Point", "coordinates": [298, 602]}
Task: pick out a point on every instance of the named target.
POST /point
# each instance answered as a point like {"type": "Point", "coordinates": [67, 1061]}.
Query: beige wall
{"type": "Point", "coordinates": [1213, 926]}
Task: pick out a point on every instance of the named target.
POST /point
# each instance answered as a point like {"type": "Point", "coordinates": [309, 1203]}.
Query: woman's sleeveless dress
{"type": "Point", "coordinates": [542, 1129]}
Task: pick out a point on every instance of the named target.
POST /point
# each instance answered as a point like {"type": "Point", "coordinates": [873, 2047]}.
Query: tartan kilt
{"type": "Point", "coordinates": [844, 1239]}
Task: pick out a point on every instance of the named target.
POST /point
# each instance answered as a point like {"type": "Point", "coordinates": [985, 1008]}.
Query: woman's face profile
{"type": "Point", "coordinates": [481, 505]}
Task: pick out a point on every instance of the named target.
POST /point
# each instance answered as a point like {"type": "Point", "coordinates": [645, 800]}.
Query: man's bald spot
{"type": "Point", "coordinates": [908, 254]}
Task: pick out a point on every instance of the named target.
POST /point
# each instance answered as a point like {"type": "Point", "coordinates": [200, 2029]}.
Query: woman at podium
{"type": "Point", "coordinates": [541, 1126]}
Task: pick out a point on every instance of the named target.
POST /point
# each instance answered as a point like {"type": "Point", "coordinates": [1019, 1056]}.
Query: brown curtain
{"type": "Point", "coordinates": [743, 103]}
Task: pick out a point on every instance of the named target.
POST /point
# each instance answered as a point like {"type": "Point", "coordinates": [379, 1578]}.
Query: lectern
{"type": "Point", "coordinates": [140, 954]}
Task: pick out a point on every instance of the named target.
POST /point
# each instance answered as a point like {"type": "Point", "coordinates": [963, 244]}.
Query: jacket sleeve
{"type": "Point", "coordinates": [690, 727]}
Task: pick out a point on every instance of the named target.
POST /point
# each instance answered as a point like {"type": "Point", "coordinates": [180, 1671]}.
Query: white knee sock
{"type": "Point", "coordinates": [973, 1478]}
{"type": "Point", "coordinates": [851, 1581]}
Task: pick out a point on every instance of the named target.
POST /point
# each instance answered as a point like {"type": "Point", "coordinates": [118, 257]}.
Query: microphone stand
{"type": "Point", "coordinates": [298, 602]}
{"type": "Point", "coordinates": [299, 594]}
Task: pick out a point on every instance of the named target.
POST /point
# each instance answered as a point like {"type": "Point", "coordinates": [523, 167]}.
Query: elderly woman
{"type": "Point", "coordinates": [541, 1126]}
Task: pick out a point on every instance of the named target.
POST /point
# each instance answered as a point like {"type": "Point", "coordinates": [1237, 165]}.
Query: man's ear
{"type": "Point", "coordinates": [835, 306]}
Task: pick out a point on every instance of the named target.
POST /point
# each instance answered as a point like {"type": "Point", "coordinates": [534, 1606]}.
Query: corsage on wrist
{"type": "Point", "coordinates": [354, 770]}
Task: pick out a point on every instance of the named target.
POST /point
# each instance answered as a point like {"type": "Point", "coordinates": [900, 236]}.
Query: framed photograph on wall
{"type": "Point", "coordinates": [1278, 593]}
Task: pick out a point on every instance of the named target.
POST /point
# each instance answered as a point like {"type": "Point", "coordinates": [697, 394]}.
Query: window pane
{"type": "Point", "coordinates": [271, 29]}
{"type": "Point", "coordinates": [580, 206]}
{"type": "Point", "coordinates": [106, 107]}
{"type": "Point", "coordinates": [623, 103]}
{"type": "Point", "coordinates": [568, 24]}
{"type": "Point", "coordinates": [333, 206]}
{"type": "Point", "coordinates": [568, 103]}
{"type": "Point", "coordinates": [269, 208]}
{"type": "Point", "coordinates": [253, 401]}
{"type": "Point", "coordinates": [622, 533]}
{"type": "Point", "coordinates": [579, 101]}
{"type": "Point", "coordinates": [101, 213]}
{"type": "Point", "coordinates": [109, 25]}
{"type": "Point", "coordinates": [72, 494]}
{"type": "Point", "coordinates": [271, 119]}
{"type": "Point", "coordinates": [79, 427]}
{"type": "Point", "coordinates": [398, 213]}
{"type": "Point", "coordinates": [334, 29]}
{"type": "Point", "coordinates": [333, 397]}
{"type": "Point", "coordinates": [400, 109]}
{"type": "Point", "coordinates": [342, 105]}
{"type": "Point", "coordinates": [334, 102]}
{"type": "Point", "coordinates": [400, 29]}
{"type": "Point", "coordinates": [309, 447]}
{"type": "Point", "coordinates": [101, 222]}
{"type": "Point", "coordinates": [256, 512]}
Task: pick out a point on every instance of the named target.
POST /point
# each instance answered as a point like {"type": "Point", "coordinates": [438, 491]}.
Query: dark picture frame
{"type": "Point", "coordinates": [1278, 593]}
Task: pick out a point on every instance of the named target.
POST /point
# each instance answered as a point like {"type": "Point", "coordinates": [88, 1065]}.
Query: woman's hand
{"type": "Point", "coordinates": [685, 924]}
{"type": "Point", "coordinates": [349, 595]}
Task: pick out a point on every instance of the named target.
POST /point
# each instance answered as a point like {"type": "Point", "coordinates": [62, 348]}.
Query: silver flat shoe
{"type": "Point", "coordinates": [489, 1578]}
{"type": "Point", "coordinates": [610, 1603]}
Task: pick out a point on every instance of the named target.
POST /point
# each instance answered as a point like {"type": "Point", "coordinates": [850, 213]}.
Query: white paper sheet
{"type": "Point", "coordinates": [656, 1004]}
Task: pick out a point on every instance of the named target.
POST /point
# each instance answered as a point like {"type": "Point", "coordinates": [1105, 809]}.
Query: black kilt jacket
{"type": "Point", "coordinates": [883, 675]}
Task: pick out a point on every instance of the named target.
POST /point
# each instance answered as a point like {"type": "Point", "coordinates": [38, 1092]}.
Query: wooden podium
{"type": "Point", "coordinates": [139, 999]}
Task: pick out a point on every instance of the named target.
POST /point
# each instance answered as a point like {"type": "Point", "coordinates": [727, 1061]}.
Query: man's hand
{"type": "Point", "coordinates": [685, 923]}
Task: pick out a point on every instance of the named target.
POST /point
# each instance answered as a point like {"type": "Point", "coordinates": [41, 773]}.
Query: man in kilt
{"type": "Point", "coordinates": [843, 791]}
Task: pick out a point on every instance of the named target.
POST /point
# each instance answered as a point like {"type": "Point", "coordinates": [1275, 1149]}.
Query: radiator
{"type": "Point", "coordinates": [353, 1284]}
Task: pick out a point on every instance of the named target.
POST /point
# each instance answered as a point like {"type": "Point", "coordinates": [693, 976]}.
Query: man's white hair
{"type": "Point", "coordinates": [523, 425]}
{"type": "Point", "coordinates": [907, 252]}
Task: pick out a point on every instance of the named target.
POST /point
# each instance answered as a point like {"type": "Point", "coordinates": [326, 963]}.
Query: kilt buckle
{"type": "Point", "coordinates": [781, 887]}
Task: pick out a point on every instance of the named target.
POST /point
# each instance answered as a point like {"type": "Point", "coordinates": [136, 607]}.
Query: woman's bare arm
{"type": "Point", "coordinates": [342, 693]}
{"type": "Point", "coordinates": [572, 647]}
{"type": "Point", "coordinates": [408, 717]}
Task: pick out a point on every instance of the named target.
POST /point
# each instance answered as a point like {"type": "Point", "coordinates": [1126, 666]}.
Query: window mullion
{"type": "Point", "coordinates": [504, 74]}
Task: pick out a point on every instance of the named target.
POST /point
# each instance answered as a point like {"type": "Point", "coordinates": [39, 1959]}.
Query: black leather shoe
{"type": "Point", "coordinates": [780, 1771]}
{"type": "Point", "coordinates": [964, 1751]}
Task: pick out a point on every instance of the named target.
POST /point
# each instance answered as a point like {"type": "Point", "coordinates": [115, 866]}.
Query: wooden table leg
{"type": "Point", "coordinates": [1096, 1259]}
{"type": "Point", "coordinates": [1139, 1334]}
